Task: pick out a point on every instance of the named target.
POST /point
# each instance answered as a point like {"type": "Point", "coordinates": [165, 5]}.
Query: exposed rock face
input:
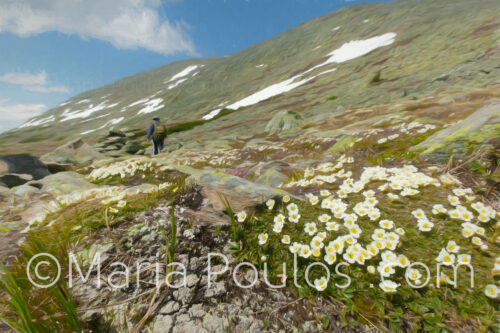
{"type": "Point", "coordinates": [76, 152]}
{"type": "Point", "coordinates": [194, 306]}
{"type": "Point", "coordinates": [15, 179]}
{"type": "Point", "coordinates": [117, 144]}
{"type": "Point", "coordinates": [241, 193]}
{"type": "Point", "coordinates": [459, 139]}
{"type": "Point", "coordinates": [284, 120]}
{"type": "Point", "coordinates": [23, 164]}
{"type": "Point", "coordinates": [63, 183]}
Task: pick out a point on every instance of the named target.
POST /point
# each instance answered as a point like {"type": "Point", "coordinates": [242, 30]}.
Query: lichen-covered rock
{"type": "Point", "coordinates": [461, 138]}
{"type": "Point", "coordinates": [63, 183]}
{"type": "Point", "coordinates": [23, 164]}
{"type": "Point", "coordinates": [75, 152]}
{"type": "Point", "coordinates": [284, 120]}
{"type": "Point", "coordinates": [15, 179]}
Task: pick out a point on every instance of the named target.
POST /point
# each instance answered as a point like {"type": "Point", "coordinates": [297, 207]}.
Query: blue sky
{"type": "Point", "coordinates": [51, 50]}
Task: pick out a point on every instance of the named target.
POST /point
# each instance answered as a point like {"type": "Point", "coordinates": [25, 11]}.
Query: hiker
{"type": "Point", "coordinates": [157, 132]}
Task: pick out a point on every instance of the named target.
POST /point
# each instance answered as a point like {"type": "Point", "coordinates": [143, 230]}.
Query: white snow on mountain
{"type": "Point", "coordinates": [68, 114]}
{"type": "Point", "coordinates": [112, 122]}
{"type": "Point", "coordinates": [183, 73]}
{"type": "Point", "coordinates": [151, 106]}
{"type": "Point", "coordinates": [38, 122]}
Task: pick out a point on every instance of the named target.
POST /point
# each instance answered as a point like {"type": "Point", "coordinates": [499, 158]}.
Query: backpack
{"type": "Point", "coordinates": [159, 132]}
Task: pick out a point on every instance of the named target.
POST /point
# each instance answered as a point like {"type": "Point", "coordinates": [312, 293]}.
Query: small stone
{"type": "Point", "coordinates": [162, 324]}
{"type": "Point", "coordinates": [170, 308]}
{"type": "Point", "coordinates": [197, 311]}
{"type": "Point", "coordinates": [215, 289]}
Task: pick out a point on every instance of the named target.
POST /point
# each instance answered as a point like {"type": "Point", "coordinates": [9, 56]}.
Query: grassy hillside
{"type": "Point", "coordinates": [433, 53]}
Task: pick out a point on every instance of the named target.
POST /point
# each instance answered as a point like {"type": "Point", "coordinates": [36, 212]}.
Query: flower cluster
{"type": "Point", "coordinates": [335, 235]}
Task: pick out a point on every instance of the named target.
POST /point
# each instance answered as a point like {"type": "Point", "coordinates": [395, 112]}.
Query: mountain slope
{"type": "Point", "coordinates": [417, 49]}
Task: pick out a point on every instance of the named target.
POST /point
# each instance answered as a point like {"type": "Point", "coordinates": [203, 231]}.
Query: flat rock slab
{"type": "Point", "coordinates": [241, 194]}
{"type": "Point", "coordinates": [15, 179]}
{"type": "Point", "coordinates": [461, 138]}
{"type": "Point", "coordinates": [23, 164]}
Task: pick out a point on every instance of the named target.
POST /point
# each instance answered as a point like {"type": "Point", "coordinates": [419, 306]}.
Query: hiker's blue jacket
{"type": "Point", "coordinates": [152, 129]}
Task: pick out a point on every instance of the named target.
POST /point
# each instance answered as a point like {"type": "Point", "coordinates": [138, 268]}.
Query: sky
{"type": "Point", "coordinates": [51, 50]}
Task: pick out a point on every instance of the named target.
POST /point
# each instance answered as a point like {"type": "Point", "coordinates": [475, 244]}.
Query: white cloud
{"type": "Point", "coordinates": [25, 78]}
{"type": "Point", "coordinates": [33, 82]}
{"type": "Point", "coordinates": [39, 88]}
{"type": "Point", "coordinates": [126, 24]}
{"type": "Point", "coordinates": [15, 114]}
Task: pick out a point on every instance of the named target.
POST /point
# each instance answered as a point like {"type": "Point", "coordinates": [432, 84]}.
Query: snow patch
{"type": "Point", "coordinates": [138, 102]}
{"type": "Point", "coordinates": [68, 114]}
{"type": "Point", "coordinates": [317, 47]}
{"type": "Point", "coordinates": [151, 106]}
{"type": "Point", "coordinates": [112, 122]}
{"type": "Point", "coordinates": [38, 122]}
{"type": "Point", "coordinates": [347, 51]}
{"type": "Point", "coordinates": [112, 105]}
{"type": "Point", "coordinates": [366, 21]}
{"type": "Point", "coordinates": [261, 65]}
{"type": "Point", "coordinates": [336, 28]}
{"type": "Point", "coordinates": [83, 101]}
{"type": "Point", "coordinates": [183, 73]}
{"type": "Point", "coordinates": [172, 86]}
{"type": "Point", "coordinates": [211, 114]}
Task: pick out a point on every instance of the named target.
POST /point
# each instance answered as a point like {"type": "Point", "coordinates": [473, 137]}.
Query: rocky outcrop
{"type": "Point", "coordinates": [195, 306]}
{"type": "Point", "coordinates": [118, 143]}
{"type": "Point", "coordinates": [241, 194]}
{"type": "Point", "coordinates": [23, 164]}
{"type": "Point", "coordinates": [461, 138]}
{"type": "Point", "coordinates": [63, 183]}
{"type": "Point", "coordinates": [76, 152]}
{"type": "Point", "coordinates": [15, 179]}
{"type": "Point", "coordinates": [284, 120]}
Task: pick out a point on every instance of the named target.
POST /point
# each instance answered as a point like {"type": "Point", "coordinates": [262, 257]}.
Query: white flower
{"type": "Point", "coordinates": [294, 218]}
{"type": "Point", "coordinates": [263, 238]}
{"type": "Point", "coordinates": [292, 208]}
{"type": "Point", "coordinates": [320, 284]}
{"type": "Point", "coordinates": [324, 218]}
{"type": "Point", "coordinates": [279, 218]}
{"type": "Point", "coordinates": [425, 225]}
{"type": "Point", "coordinates": [310, 228]}
{"type": "Point", "coordinates": [270, 203]}
{"type": "Point", "coordinates": [400, 231]}
{"type": "Point", "coordinates": [285, 239]}
{"type": "Point", "coordinates": [241, 216]}
{"type": "Point", "coordinates": [453, 200]}
{"type": "Point", "coordinates": [452, 247]}
{"type": "Point", "coordinates": [324, 193]}
{"type": "Point", "coordinates": [402, 260]}
{"type": "Point", "coordinates": [438, 209]}
{"type": "Point", "coordinates": [446, 258]}
{"type": "Point", "coordinates": [389, 286]}
{"type": "Point", "coordinates": [330, 258]}
{"type": "Point", "coordinates": [386, 224]}
{"type": "Point", "coordinates": [305, 251]}
{"type": "Point", "coordinates": [491, 291]}
{"type": "Point", "coordinates": [371, 269]}
{"type": "Point", "coordinates": [278, 227]}
{"type": "Point", "coordinates": [295, 247]}
{"type": "Point", "coordinates": [286, 199]}
{"type": "Point", "coordinates": [121, 204]}
{"type": "Point", "coordinates": [317, 242]}
{"type": "Point", "coordinates": [464, 259]}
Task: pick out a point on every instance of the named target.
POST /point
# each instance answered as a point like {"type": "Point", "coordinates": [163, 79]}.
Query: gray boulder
{"type": "Point", "coordinates": [241, 194]}
{"type": "Point", "coordinates": [76, 152]}
{"type": "Point", "coordinates": [23, 164]}
{"type": "Point", "coordinates": [15, 179]}
{"type": "Point", "coordinates": [63, 183]}
{"type": "Point", "coordinates": [284, 120]}
{"type": "Point", "coordinates": [461, 138]}
{"type": "Point", "coordinates": [132, 147]}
